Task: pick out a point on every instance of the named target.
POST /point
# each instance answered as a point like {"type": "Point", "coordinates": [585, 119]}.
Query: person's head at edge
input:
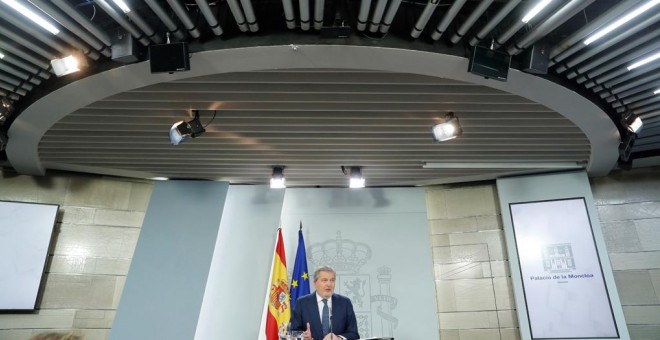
{"type": "Point", "coordinates": [324, 281]}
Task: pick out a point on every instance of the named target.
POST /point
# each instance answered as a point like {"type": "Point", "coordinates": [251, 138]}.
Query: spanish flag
{"type": "Point", "coordinates": [279, 299]}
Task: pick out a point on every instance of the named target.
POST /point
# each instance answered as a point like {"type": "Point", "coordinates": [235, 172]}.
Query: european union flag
{"type": "Point", "coordinates": [300, 278]}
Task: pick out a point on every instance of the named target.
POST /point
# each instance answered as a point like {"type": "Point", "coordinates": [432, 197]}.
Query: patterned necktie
{"type": "Point", "coordinates": [325, 320]}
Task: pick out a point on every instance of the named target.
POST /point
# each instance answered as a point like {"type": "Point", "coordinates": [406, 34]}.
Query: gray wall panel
{"type": "Point", "coordinates": [165, 285]}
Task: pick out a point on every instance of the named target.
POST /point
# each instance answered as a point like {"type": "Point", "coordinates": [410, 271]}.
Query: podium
{"type": "Point", "coordinates": [298, 336]}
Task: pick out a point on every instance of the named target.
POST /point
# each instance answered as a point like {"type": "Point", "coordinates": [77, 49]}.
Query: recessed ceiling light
{"type": "Point", "coordinates": [535, 10]}
{"type": "Point", "coordinates": [277, 181]}
{"type": "Point", "coordinates": [36, 18]}
{"type": "Point", "coordinates": [644, 61]}
{"type": "Point", "coordinates": [611, 27]}
{"type": "Point", "coordinates": [122, 5]}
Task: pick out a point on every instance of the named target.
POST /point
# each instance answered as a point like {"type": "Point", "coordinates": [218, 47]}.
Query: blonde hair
{"type": "Point", "coordinates": [56, 336]}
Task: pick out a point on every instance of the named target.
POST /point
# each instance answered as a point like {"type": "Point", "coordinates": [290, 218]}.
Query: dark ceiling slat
{"type": "Point", "coordinates": [319, 155]}
{"type": "Point", "coordinates": [108, 130]}
{"type": "Point", "coordinates": [180, 87]}
{"type": "Point", "coordinates": [201, 142]}
{"type": "Point", "coordinates": [316, 77]}
{"type": "Point", "coordinates": [321, 106]}
{"type": "Point", "coordinates": [358, 98]}
{"type": "Point", "coordinates": [335, 162]}
{"type": "Point", "coordinates": [271, 144]}
{"type": "Point", "coordinates": [152, 126]}
{"type": "Point", "coordinates": [221, 113]}
{"type": "Point", "coordinates": [311, 151]}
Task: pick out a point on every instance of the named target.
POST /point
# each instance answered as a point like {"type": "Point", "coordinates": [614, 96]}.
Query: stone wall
{"type": "Point", "coordinates": [96, 232]}
{"type": "Point", "coordinates": [100, 219]}
{"type": "Point", "coordinates": [629, 208]}
{"type": "Point", "coordinates": [473, 282]}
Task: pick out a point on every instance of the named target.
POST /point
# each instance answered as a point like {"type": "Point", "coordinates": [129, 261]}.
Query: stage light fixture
{"type": "Point", "coordinates": [277, 181]}
{"type": "Point", "coordinates": [450, 129]}
{"type": "Point", "coordinates": [5, 104]}
{"type": "Point", "coordinates": [656, 91]}
{"type": "Point", "coordinates": [356, 181]}
{"type": "Point", "coordinates": [69, 64]}
{"type": "Point", "coordinates": [632, 122]}
{"type": "Point", "coordinates": [182, 130]}
{"type": "Point", "coordinates": [5, 110]}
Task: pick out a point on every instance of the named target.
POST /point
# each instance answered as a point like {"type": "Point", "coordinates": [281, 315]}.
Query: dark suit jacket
{"type": "Point", "coordinates": [344, 322]}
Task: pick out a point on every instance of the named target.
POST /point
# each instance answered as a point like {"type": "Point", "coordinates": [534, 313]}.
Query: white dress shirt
{"type": "Point", "coordinates": [319, 303]}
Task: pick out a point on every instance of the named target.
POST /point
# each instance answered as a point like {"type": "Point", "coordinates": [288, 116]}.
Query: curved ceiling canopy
{"type": "Point", "coordinates": [275, 86]}
{"type": "Point", "coordinates": [313, 109]}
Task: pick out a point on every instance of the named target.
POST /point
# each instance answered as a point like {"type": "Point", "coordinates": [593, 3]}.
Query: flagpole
{"type": "Point", "coordinates": [300, 278]}
{"type": "Point", "coordinates": [262, 326]}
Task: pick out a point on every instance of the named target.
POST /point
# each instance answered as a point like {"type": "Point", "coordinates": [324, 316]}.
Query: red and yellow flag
{"type": "Point", "coordinates": [279, 306]}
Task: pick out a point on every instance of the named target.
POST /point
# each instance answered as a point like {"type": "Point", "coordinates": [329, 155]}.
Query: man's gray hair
{"type": "Point", "coordinates": [326, 269]}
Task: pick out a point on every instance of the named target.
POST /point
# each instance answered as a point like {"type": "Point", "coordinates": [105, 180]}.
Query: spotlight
{"type": "Point", "coordinates": [277, 181]}
{"type": "Point", "coordinates": [632, 122]}
{"type": "Point", "coordinates": [450, 129]}
{"type": "Point", "coordinates": [5, 110]}
{"type": "Point", "coordinates": [182, 131]}
{"type": "Point", "coordinates": [356, 181]}
{"type": "Point", "coordinates": [68, 65]}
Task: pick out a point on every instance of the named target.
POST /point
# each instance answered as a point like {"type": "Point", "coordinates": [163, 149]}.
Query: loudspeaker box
{"type": "Point", "coordinates": [489, 63]}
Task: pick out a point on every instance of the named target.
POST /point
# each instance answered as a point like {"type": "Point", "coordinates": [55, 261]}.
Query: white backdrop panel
{"type": "Point", "coordinates": [26, 230]}
{"type": "Point", "coordinates": [554, 310]}
{"type": "Point", "coordinates": [238, 279]}
{"type": "Point", "coordinates": [378, 241]}
{"type": "Point", "coordinates": [561, 273]}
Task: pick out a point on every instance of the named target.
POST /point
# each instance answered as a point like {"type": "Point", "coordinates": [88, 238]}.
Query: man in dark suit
{"type": "Point", "coordinates": [323, 315]}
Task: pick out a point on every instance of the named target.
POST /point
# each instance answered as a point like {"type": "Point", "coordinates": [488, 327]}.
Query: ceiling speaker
{"type": "Point", "coordinates": [169, 58]}
{"type": "Point", "coordinates": [536, 59]}
{"type": "Point", "coordinates": [489, 63]}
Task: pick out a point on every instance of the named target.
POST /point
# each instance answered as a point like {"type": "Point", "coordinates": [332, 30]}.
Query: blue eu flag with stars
{"type": "Point", "coordinates": [300, 277]}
